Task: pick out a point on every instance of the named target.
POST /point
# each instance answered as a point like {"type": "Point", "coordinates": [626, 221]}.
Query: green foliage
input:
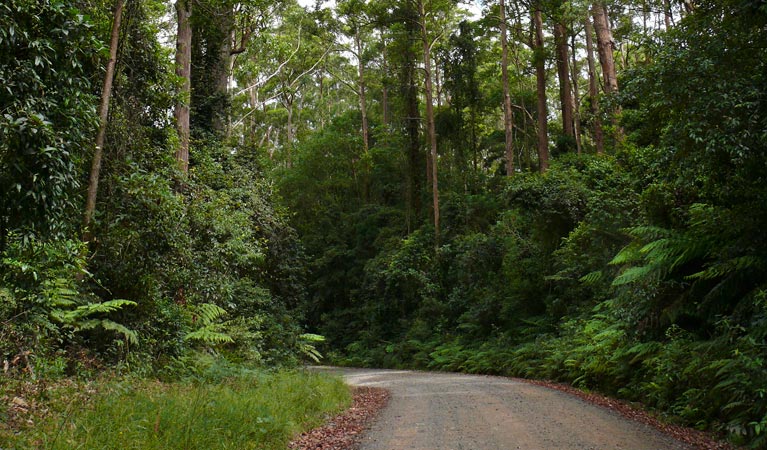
{"type": "Point", "coordinates": [246, 409]}
{"type": "Point", "coordinates": [45, 304]}
{"type": "Point", "coordinates": [47, 114]}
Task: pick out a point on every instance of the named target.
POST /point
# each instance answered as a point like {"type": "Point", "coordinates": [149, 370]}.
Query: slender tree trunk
{"type": "Point", "coordinates": [593, 90]}
{"type": "Point", "coordinates": [361, 91]}
{"type": "Point", "coordinates": [226, 23]}
{"type": "Point", "coordinates": [385, 86]}
{"type": "Point", "coordinates": [508, 118]}
{"type": "Point", "coordinates": [667, 13]}
{"type": "Point", "coordinates": [540, 75]}
{"type": "Point", "coordinates": [363, 114]}
{"type": "Point", "coordinates": [430, 120]}
{"type": "Point", "coordinates": [605, 47]}
{"type": "Point", "coordinates": [565, 92]}
{"type": "Point", "coordinates": [323, 104]}
{"type": "Point", "coordinates": [183, 71]}
{"type": "Point", "coordinates": [437, 84]}
{"type": "Point", "coordinates": [575, 74]}
{"type": "Point", "coordinates": [106, 95]}
{"type": "Point", "coordinates": [289, 133]}
{"type": "Point", "coordinates": [414, 144]}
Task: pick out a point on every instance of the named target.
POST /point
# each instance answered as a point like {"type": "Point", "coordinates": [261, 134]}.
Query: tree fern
{"type": "Point", "coordinates": [206, 315]}
{"type": "Point", "coordinates": [106, 324]}
{"type": "Point", "coordinates": [209, 335]}
{"type": "Point", "coordinates": [81, 318]}
{"type": "Point", "coordinates": [663, 251]}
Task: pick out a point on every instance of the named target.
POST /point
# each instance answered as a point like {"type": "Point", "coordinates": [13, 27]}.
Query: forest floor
{"type": "Point", "coordinates": [442, 411]}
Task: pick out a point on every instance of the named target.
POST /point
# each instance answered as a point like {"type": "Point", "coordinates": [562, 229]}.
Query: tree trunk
{"type": "Point", "coordinates": [414, 143]}
{"type": "Point", "coordinates": [540, 75]}
{"type": "Point", "coordinates": [605, 47]}
{"type": "Point", "coordinates": [593, 90]}
{"type": "Point", "coordinates": [222, 69]}
{"type": "Point", "coordinates": [508, 118]}
{"type": "Point", "coordinates": [361, 91]}
{"type": "Point", "coordinates": [430, 120]}
{"type": "Point", "coordinates": [385, 86]}
{"type": "Point", "coordinates": [106, 95]}
{"type": "Point", "coordinates": [563, 71]}
{"type": "Point", "coordinates": [574, 73]}
{"type": "Point", "coordinates": [667, 13]}
{"type": "Point", "coordinates": [437, 83]}
{"type": "Point", "coordinates": [289, 133]}
{"type": "Point", "coordinates": [183, 71]}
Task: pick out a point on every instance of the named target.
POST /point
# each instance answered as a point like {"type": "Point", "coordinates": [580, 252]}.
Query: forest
{"type": "Point", "coordinates": [211, 189]}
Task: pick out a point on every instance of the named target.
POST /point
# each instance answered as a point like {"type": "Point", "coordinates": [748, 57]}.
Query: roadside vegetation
{"type": "Point", "coordinates": [216, 408]}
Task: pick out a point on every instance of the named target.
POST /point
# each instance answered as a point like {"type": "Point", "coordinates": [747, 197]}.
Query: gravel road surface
{"type": "Point", "coordinates": [441, 411]}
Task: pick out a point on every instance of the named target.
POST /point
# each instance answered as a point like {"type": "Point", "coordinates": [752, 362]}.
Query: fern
{"type": "Point", "coordinates": [592, 277]}
{"type": "Point", "coordinates": [80, 318]}
{"type": "Point", "coordinates": [663, 252]}
{"type": "Point", "coordinates": [106, 324]}
{"type": "Point", "coordinates": [207, 313]}
{"type": "Point", "coordinates": [721, 269]}
{"type": "Point", "coordinates": [89, 309]}
{"type": "Point", "coordinates": [306, 345]}
{"type": "Point", "coordinates": [209, 333]}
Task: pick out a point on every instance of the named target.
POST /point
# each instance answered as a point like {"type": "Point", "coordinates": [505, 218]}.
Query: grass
{"type": "Point", "coordinates": [254, 410]}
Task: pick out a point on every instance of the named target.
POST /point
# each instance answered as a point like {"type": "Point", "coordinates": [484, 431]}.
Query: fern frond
{"type": "Point", "coordinates": [634, 274]}
{"type": "Point", "coordinates": [307, 348]}
{"type": "Point", "coordinates": [104, 307]}
{"type": "Point", "coordinates": [649, 232]}
{"type": "Point", "coordinates": [310, 337]}
{"type": "Point", "coordinates": [209, 335]}
{"type": "Point", "coordinates": [130, 335]}
{"type": "Point", "coordinates": [628, 254]}
{"type": "Point", "coordinates": [591, 278]}
{"type": "Point", "coordinates": [724, 268]}
{"type": "Point", "coordinates": [207, 313]}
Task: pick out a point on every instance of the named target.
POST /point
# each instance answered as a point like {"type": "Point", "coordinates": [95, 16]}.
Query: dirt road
{"type": "Point", "coordinates": [439, 411]}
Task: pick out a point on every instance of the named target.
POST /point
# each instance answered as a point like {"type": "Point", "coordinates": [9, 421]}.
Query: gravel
{"type": "Point", "coordinates": [440, 411]}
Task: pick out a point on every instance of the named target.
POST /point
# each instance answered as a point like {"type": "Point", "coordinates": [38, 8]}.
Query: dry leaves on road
{"type": "Point", "coordinates": [343, 431]}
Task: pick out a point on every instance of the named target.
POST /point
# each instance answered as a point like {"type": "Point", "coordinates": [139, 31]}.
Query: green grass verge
{"type": "Point", "coordinates": [257, 411]}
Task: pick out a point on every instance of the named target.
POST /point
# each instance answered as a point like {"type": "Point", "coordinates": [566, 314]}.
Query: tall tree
{"type": "Point", "coordinates": [563, 72]}
{"type": "Point", "coordinates": [354, 14]}
{"type": "Point", "coordinates": [593, 89]}
{"type": "Point", "coordinates": [508, 118]}
{"type": "Point", "coordinates": [106, 94]}
{"type": "Point", "coordinates": [184, 72]}
{"type": "Point", "coordinates": [540, 76]}
{"type": "Point", "coordinates": [428, 42]}
{"type": "Point", "coordinates": [575, 78]}
{"type": "Point", "coordinates": [404, 56]}
{"type": "Point", "coordinates": [605, 46]}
